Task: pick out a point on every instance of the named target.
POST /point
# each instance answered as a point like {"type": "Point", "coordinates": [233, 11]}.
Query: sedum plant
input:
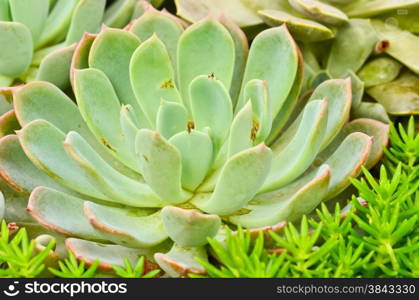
{"type": "Point", "coordinates": [178, 134]}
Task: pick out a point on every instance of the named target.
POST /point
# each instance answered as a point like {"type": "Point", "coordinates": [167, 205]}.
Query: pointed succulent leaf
{"type": "Point", "coordinates": [172, 118]}
{"type": "Point", "coordinates": [111, 53]}
{"type": "Point", "coordinates": [257, 92]}
{"type": "Point", "coordinates": [399, 97]}
{"type": "Point", "coordinates": [117, 187]}
{"type": "Point", "coordinates": [301, 29]}
{"type": "Point", "coordinates": [357, 88]}
{"type": "Point", "coordinates": [55, 67]}
{"type": "Point", "coordinates": [240, 179]}
{"type": "Point", "coordinates": [43, 144]}
{"type": "Point", "coordinates": [32, 14]}
{"type": "Point", "coordinates": [180, 261]}
{"type": "Point", "coordinates": [119, 13]}
{"type": "Point", "coordinates": [80, 59]}
{"type": "Point", "coordinates": [17, 47]}
{"type": "Point", "coordinates": [318, 11]}
{"type": "Point", "coordinates": [355, 148]}
{"type": "Point", "coordinates": [273, 58]}
{"type": "Point", "coordinates": [18, 171]}
{"type": "Point", "coordinates": [87, 17]}
{"type": "Point", "coordinates": [198, 53]}
{"type": "Point", "coordinates": [343, 55]}
{"type": "Point", "coordinates": [153, 152]}
{"type": "Point", "coordinates": [241, 131]}
{"type": "Point", "coordinates": [57, 23]}
{"type": "Point", "coordinates": [100, 109]}
{"type": "Point", "coordinates": [61, 213]}
{"type": "Point", "coordinates": [196, 151]}
{"type": "Point", "coordinates": [376, 7]}
{"type": "Point", "coordinates": [241, 47]}
{"type": "Point", "coordinates": [402, 44]}
{"type": "Point", "coordinates": [211, 107]}
{"type": "Point", "coordinates": [379, 71]}
{"type": "Point", "coordinates": [152, 77]}
{"type": "Point", "coordinates": [110, 255]}
{"type": "Point", "coordinates": [339, 97]}
{"type": "Point", "coordinates": [134, 228]}
{"type": "Point", "coordinates": [42, 100]}
{"type": "Point", "coordinates": [288, 203]}
{"type": "Point", "coordinates": [290, 104]}
{"type": "Point", "coordinates": [300, 152]}
{"type": "Point", "coordinates": [166, 28]}
{"type": "Point", "coordinates": [199, 227]}
{"type": "Point", "coordinates": [376, 129]}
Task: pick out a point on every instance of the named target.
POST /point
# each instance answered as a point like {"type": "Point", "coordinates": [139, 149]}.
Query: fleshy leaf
{"type": "Point", "coordinates": [379, 71]}
{"type": "Point", "coordinates": [399, 97]}
{"type": "Point", "coordinates": [87, 17]}
{"type": "Point", "coordinates": [119, 13]}
{"type": "Point", "coordinates": [198, 53]}
{"type": "Point", "coordinates": [355, 148]}
{"type": "Point", "coordinates": [339, 97]}
{"type": "Point", "coordinates": [55, 67]}
{"type": "Point", "coordinates": [301, 29]}
{"type": "Point", "coordinates": [110, 255]}
{"type": "Point", "coordinates": [370, 110]}
{"type": "Point", "coordinates": [240, 179]}
{"type": "Point", "coordinates": [211, 107]}
{"type": "Point", "coordinates": [241, 131]}
{"type": "Point", "coordinates": [403, 45]}
{"type": "Point", "coordinates": [300, 152]}
{"type": "Point", "coordinates": [172, 118]}
{"type": "Point", "coordinates": [196, 151]}
{"type": "Point", "coordinates": [129, 227]}
{"type": "Point", "coordinates": [377, 130]}
{"type": "Point", "coordinates": [273, 58]}
{"type": "Point", "coordinates": [319, 11]}
{"type": "Point", "coordinates": [32, 14]}
{"type": "Point", "coordinates": [376, 7]}
{"type": "Point", "coordinates": [17, 47]}
{"type": "Point", "coordinates": [57, 23]}
{"type": "Point", "coordinates": [178, 221]}
{"type": "Point", "coordinates": [61, 213]}
{"type": "Point", "coordinates": [111, 53]}
{"type": "Point", "coordinates": [288, 203]}
{"type": "Point", "coordinates": [343, 55]}
{"type": "Point", "coordinates": [152, 77]}
{"type": "Point", "coordinates": [43, 144]}
{"type": "Point", "coordinates": [180, 261]}
{"type": "Point", "coordinates": [167, 30]}
{"type": "Point", "coordinates": [18, 171]}
{"type": "Point", "coordinates": [241, 47]}
{"type": "Point", "coordinates": [154, 152]}
{"type": "Point", "coordinates": [116, 186]}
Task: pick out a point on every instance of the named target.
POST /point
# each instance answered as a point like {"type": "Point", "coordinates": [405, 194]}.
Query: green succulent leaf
{"type": "Point", "coordinates": [153, 151]}
{"type": "Point", "coordinates": [240, 179]}
{"type": "Point", "coordinates": [199, 226]}
{"type": "Point", "coordinates": [17, 46]}
{"type": "Point", "coordinates": [152, 77]}
{"type": "Point", "coordinates": [205, 39]}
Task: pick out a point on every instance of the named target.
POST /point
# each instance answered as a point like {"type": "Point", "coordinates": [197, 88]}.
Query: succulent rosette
{"type": "Point", "coordinates": [374, 42]}
{"type": "Point", "coordinates": [178, 133]}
